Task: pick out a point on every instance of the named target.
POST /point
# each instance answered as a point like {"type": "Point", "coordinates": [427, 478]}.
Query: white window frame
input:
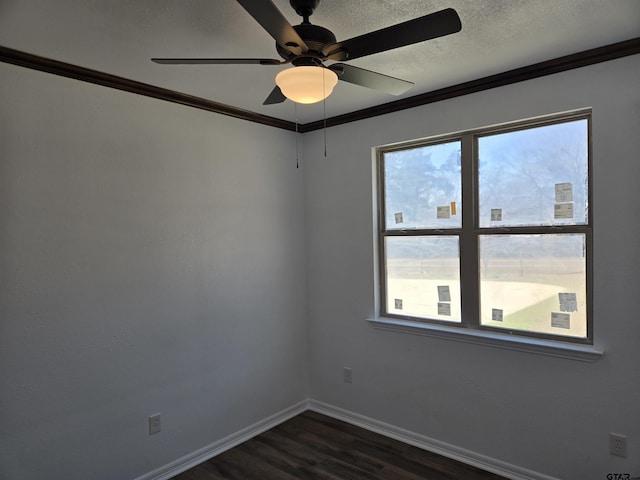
{"type": "Point", "coordinates": [470, 330]}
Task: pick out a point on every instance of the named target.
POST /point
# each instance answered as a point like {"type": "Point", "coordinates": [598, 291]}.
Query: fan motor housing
{"type": "Point", "coordinates": [316, 37]}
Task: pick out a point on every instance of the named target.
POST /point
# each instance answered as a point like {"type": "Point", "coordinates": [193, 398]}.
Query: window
{"type": "Point", "coordinates": [490, 229]}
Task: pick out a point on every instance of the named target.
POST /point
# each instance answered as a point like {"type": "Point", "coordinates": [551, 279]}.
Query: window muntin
{"type": "Point", "coordinates": [520, 261]}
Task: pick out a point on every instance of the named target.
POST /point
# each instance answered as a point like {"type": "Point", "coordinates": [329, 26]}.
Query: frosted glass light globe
{"type": "Point", "coordinates": [306, 84]}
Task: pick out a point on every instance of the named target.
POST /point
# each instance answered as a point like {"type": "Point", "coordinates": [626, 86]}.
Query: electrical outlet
{"type": "Point", "coordinates": [346, 374]}
{"type": "Point", "coordinates": [617, 445]}
{"type": "Point", "coordinates": [154, 424]}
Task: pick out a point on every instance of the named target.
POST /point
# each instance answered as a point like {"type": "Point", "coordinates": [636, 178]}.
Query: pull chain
{"type": "Point", "coordinates": [297, 155]}
{"type": "Point", "coordinates": [324, 115]}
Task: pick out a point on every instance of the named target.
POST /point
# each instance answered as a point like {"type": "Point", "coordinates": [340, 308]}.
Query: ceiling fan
{"type": "Point", "coordinates": [306, 47]}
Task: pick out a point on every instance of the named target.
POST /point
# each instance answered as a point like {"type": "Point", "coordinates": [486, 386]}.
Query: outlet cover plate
{"type": "Point", "coordinates": [154, 424]}
{"type": "Point", "coordinates": [617, 445]}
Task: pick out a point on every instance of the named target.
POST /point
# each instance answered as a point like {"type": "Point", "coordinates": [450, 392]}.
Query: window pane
{"type": "Point", "coordinates": [534, 283]}
{"type": "Point", "coordinates": [536, 176]}
{"type": "Point", "coordinates": [423, 277]}
{"type": "Point", "coordinates": [423, 187]}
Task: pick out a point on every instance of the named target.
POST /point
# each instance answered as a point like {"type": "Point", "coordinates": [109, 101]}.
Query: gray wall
{"type": "Point", "coordinates": [540, 413]}
{"type": "Point", "coordinates": [151, 260]}
{"type": "Point", "coordinates": [159, 258]}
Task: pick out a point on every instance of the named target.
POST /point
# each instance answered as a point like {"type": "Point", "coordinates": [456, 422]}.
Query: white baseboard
{"type": "Point", "coordinates": [216, 448]}
{"type": "Point", "coordinates": [489, 464]}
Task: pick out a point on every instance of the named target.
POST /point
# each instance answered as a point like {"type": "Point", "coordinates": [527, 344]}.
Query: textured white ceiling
{"type": "Point", "coordinates": [120, 36]}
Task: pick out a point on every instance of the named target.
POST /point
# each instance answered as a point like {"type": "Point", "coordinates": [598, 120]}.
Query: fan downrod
{"type": "Point", "coordinates": [304, 8]}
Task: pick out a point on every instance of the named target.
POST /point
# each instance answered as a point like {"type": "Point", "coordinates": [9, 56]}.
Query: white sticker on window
{"type": "Point", "coordinates": [568, 302]}
{"type": "Point", "coordinates": [398, 217]}
{"type": "Point", "coordinates": [564, 192]}
{"type": "Point", "coordinates": [560, 320]}
{"type": "Point", "coordinates": [444, 294]}
{"type": "Point", "coordinates": [496, 214]}
{"type": "Point", "coordinates": [496, 314]}
{"type": "Point", "coordinates": [398, 303]}
{"type": "Point", "coordinates": [563, 210]}
{"type": "Point", "coordinates": [444, 212]}
{"type": "Point", "coordinates": [444, 309]}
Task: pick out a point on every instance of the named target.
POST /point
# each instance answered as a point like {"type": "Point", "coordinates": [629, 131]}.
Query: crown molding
{"type": "Point", "coordinates": [76, 72]}
{"type": "Point", "coordinates": [549, 67]}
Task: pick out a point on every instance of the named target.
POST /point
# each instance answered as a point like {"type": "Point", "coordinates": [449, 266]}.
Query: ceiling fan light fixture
{"type": "Point", "coordinates": [306, 84]}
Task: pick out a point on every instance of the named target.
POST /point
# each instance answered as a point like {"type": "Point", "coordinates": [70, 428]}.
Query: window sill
{"type": "Point", "coordinates": [583, 353]}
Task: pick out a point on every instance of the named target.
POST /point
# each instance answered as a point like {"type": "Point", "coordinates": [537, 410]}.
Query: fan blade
{"type": "Point", "coordinates": [276, 96]}
{"type": "Point", "coordinates": [369, 79]}
{"type": "Point", "coordinates": [216, 61]}
{"type": "Point", "coordinates": [276, 25]}
{"type": "Point", "coordinates": [419, 29]}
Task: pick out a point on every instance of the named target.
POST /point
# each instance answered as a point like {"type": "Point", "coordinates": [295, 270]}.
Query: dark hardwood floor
{"type": "Point", "coordinates": [314, 446]}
